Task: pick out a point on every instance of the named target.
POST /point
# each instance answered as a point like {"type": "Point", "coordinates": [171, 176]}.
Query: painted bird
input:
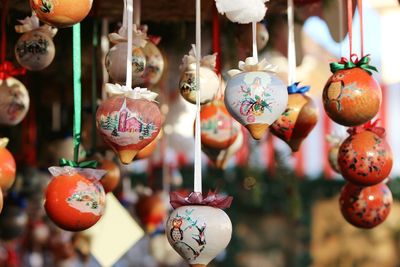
{"type": "Point", "coordinates": [335, 90]}
{"type": "Point", "coordinates": [176, 231]}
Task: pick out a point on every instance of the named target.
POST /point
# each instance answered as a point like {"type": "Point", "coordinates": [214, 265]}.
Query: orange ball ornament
{"type": "Point", "coordinates": [74, 199]}
{"type": "Point", "coordinates": [111, 179]}
{"type": "Point", "coordinates": [1, 200]}
{"type": "Point", "coordinates": [352, 96]}
{"type": "Point", "coordinates": [61, 13]}
{"type": "Point", "coordinates": [7, 166]}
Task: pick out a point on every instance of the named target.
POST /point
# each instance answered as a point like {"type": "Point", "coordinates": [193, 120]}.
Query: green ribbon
{"type": "Point", "coordinates": [344, 64]}
{"type": "Point", "coordinates": [77, 74]}
{"type": "Point", "coordinates": [84, 164]}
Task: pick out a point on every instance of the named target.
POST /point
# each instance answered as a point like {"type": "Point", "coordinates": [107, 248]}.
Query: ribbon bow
{"type": "Point", "coordinates": [32, 23]}
{"type": "Point", "coordinates": [136, 93]}
{"type": "Point", "coordinates": [139, 38]}
{"type": "Point", "coordinates": [92, 164]}
{"type": "Point", "coordinates": [296, 89]}
{"type": "Point", "coordinates": [152, 38]}
{"type": "Point", "coordinates": [369, 126]}
{"type": "Point", "coordinates": [7, 70]}
{"type": "Point", "coordinates": [212, 199]}
{"type": "Point", "coordinates": [189, 60]}
{"type": "Point", "coordinates": [354, 62]}
{"type": "Point", "coordinates": [250, 64]}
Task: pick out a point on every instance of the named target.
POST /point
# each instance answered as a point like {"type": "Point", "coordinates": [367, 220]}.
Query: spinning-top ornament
{"type": "Point", "coordinates": [61, 13]}
{"type": "Point", "coordinates": [148, 150]}
{"type": "Point", "coordinates": [112, 177]}
{"type": "Point", "coordinates": [198, 229]}
{"type": "Point", "coordinates": [7, 166]}
{"type": "Point", "coordinates": [365, 158]}
{"type": "Point", "coordinates": [209, 80]}
{"type": "Point", "coordinates": [333, 152]}
{"type": "Point", "coordinates": [14, 98]}
{"type": "Point", "coordinates": [365, 207]}
{"type": "Point", "coordinates": [35, 49]}
{"type": "Point", "coordinates": [299, 118]}
{"type": "Point", "coordinates": [116, 58]}
{"type": "Point", "coordinates": [75, 199]}
{"type": "Point", "coordinates": [129, 120]}
{"type": "Point", "coordinates": [352, 96]}
{"type": "Point", "coordinates": [255, 96]}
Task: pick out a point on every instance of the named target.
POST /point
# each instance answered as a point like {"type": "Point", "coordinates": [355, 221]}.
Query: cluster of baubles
{"type": "Point", "coordinates": [352, 97]}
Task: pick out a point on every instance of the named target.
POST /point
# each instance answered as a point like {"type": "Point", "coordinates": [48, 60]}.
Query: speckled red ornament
{"type": "Point", "coordinates": [365, 157]}
{"type": "Point", "coordinates": [365, 207]}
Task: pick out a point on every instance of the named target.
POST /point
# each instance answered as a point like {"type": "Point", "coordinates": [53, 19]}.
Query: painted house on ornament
{"type": "Point", "coordinates": [127, 122]}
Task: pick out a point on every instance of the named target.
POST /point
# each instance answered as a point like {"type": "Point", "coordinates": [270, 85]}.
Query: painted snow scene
{"type": "Point", "coordinates": [86, 200]}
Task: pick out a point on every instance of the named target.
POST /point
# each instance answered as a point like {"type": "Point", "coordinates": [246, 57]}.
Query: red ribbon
{"type": "Point", "coordinates": [7, 69]}
{"type": "Point", "coordinates": [154, 39]}
{"type": "Point", "coordinates": [350, 25]}
{"type": "Point", "coordinates": [369, 126]}
{"type": "Point", "coordinates": [212, 199]}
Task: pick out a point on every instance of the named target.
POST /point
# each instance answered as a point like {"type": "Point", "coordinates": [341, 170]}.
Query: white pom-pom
{"type": "Point", "coordinates": [242, 11]}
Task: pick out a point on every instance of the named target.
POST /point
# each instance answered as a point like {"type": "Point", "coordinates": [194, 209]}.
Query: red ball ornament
{"type": "Point", "coordinates": [365, 158]}
{"type": "Point", "coordinates": [352, 96]}
{"type": "Point", "coordinates": [365, 207]}
{"type": "Point", "coordinates": [74, 199]}
{"type": "Point", "coordinates": [61, 13]}
{"type": "Point", "coordinates": [7, 166]}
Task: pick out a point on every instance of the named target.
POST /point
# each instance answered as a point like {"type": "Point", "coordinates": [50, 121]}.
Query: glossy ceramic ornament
{"type": "Point", "coordinates": [352, 96]}
{"type": "Point", "coordinates": [198, 232]}
{"type": "Point", "coordinates": [209, 80]}
{"type": "Point", "coordinates": [35, 49]}
{"type": "Point", "coordinates": [365, 158]}
{"type": "Point", "coordinates": [112, 178]}
{"type": "Point", "coordinates": [61, 13]}
{"type": "Point", "coordinates": [333, 152]}
{"type": "Point", "coordinates": [297, 121]}
{"type": "Point", "coordinates": [365, 207]}
{"type": "Point", "coordinates": [74, 199]}
{"type": "Point", "coordinates": [115, 61]}
{"type": "Point", "coordinates": [7, 166]}
{"type": "Point", "coordinates": [14, 101]}
{"type": "Point", "coordinates": [218, 129]}
{"type": "Point", "coordinates": [255, 96]}
{"type": "Point", "coordinates": [262, 36]}
{"type": "Point", "coordinates": [128, 121]}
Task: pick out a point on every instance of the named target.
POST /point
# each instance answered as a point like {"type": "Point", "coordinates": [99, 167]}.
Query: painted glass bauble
{"type": "Point", "coordinates": [61, 13]}
{"type": "Point", "coordinates": [365, 207]}
{"type": "Point", "coordinates": [352, 97]}
{"type": "Point", "coordinates": [365, 158]}
{"type": "Point", "coordinates": [74, 200]}
{"type": "Point", "coordinates": [14, 101]}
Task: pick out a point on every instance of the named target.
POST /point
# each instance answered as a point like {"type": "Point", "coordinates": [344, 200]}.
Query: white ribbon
{"type": "Point", "coordinates": [4, 142]}
{"type": "Point", "coordinates": [250, 64]}
{"type": "Point", "coordinates": [291, 44]}
{"type": "Point", "coordinates": [135, 93]}
{"type": "Point", "coordinates": [189, 60]}
{"type": "Point", "coordinates": [139, 38]}
{"type": "Point", "coordinates": [32, 23]}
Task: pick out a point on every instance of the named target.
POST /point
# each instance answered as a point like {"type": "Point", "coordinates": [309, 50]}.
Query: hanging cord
{"type": "Point", "coordinates": [95, 44]}
{"type": "Point", "coordinates": [216, 45]}
{"type": "Point", "coordinates": [291, 44]}
{"type": "Point", "coordinates": [254, 32]}
{"type": "Point", "coordinates": [197, 137]}
{"type": "Point", "coordinates": [3, 31]}
{"type": "Point", "coordinates": [340, 7]}
{"type": "Point", "coordinates": [76, 55]}
{"type": "Point", "coordinates": [129, 13]}
{"type": "Point", "coordinates": [137, 5]}
{"type": "Point", "coordinates": [350, 26]}
{"type": "Point", "coordinates": [360, 12]}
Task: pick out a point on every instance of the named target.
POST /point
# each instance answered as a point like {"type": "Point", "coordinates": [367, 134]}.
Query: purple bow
{"type": "Point", "coordinates": [195, 198]}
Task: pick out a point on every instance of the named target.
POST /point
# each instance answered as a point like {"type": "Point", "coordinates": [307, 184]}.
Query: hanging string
{"type": "Point", "coordinates": [291, 44]}
{"type": "Point", "coordinates": [360, 13]}
{"type": "Point", "coordinates": [137, 5]}
{"type": "Point", "coordinates": [254, 32]}
{"type": "Point", "coordinates": [129, 10]}
{"type": "Point", "coordinates": [350, 24]}
{"type": "Point", "coordinates": [197, 137]}
{"type": "Point", "coordinates": [340, 7]}
{"type": "Point", "coordinates": [216, 45]}
{"type": "Point", "coordinates": [105, 46]}
{"type": "Point", "coordinates": [95, 44]}
{"type": "Point", "coordinates": [3, 31]}
{"type": "Point", "coordinates": [76, 59]}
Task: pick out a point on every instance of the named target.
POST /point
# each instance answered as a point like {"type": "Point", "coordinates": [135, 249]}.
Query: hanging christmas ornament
{"type": "Point", "coordinates": [75, 199]}
{"type": "Point", "coordinates": [255, 96]}
{"type": "Point", "coordinates": [112, 177]}
{"type": "Point", "coordinates": [218, 129]}
{"type": "Point", "coordinates": [242, 11]}
{"type": "Point", "coordinates": [198, 229]}
{"type": "Point", "coordinates": [299, 118]}
{"type": "Point", "coordinates": [148, 150]}
{"type": "Point", "coordinates": [365, 158]}
{"type": "Point", "coordinates": [129, 120]}
{"type": "Point", "coordinates": [333, 152]}
{"type": "Point", "coordinates": [35, 49]}
{"type": "Point", "coordinates": [14, 98]}
{"type": "Point", "coordinates": [151, 211]}
{"type": "Point", "coordinates": [262, 36]}
{"type": "Point", "coordinates": [61, 14]}
{"type": "Point", "coordinates": [7, 166]}
{"type": "Point", "coordinates": [221, 157]}
{"type": "Point", "coordinates": [116, 58]}
{"type": "Point", "coordinates": [209, 80]}
{"type": "Point", "coordinates": [365, 207]}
